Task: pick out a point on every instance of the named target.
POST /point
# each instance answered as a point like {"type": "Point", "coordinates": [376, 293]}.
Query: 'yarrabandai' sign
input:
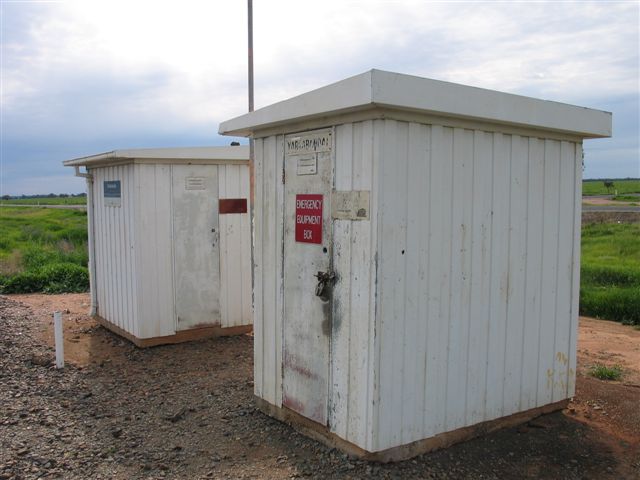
{"type": "Point", "coordinates": [312, 142]}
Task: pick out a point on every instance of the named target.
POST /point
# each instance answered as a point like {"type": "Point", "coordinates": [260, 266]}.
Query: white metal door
{"type": "Point", "coordinates": [307, 251]}
{"type": "Point", "coordinates": [195, 243]}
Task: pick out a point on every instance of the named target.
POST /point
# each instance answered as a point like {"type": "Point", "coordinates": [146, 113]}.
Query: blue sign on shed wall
{"type": "Point", "coordinates": [112, 193]}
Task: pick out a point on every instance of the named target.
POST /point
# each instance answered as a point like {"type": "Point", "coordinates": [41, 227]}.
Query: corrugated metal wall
{"type": "Point", "coordinates": [154, 234]}
{"type": "Point", "coordinates": [353, 335]}
{"type": "Point", "coordinates": [235, 249]}
{"type": "Point", "coordinates": [267, 268]}
{"type": "Point", "coordinates": [476, 311]}
{"type": "Point", "coordinates": [457, 303]}
{"type": "Point", "coordinates": [115, 258]}
{"type": "Point", "coordinates": [134, 250]}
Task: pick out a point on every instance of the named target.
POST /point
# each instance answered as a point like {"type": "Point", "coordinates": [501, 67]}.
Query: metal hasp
{"type": "Point", "coordinates": [416, 274]}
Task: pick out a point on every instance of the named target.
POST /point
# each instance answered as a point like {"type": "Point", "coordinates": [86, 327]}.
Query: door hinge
{"type": "Point", "coordinates": [283, 176]}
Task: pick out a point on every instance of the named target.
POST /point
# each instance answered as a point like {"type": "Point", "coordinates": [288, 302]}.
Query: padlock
{"type": "Point", "coordinates": [323, 279]}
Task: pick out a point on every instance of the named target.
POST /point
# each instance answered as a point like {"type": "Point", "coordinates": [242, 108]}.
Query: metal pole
{"type": "Point", "coordinates": [251, 142]}
{"type": "Point", "coordinates": [250, 32]}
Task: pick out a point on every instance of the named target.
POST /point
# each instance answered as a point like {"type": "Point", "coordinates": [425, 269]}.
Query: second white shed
{"type": "Point", "coordinates": [169, 242]}
{"type": "Point", "coordinates": [416, 259]}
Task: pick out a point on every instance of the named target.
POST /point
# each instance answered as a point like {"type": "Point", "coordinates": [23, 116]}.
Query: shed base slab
{"type": "Point", "coordinates": [322, 434]}
{"type": "Point", "coordinates": [179, 337]}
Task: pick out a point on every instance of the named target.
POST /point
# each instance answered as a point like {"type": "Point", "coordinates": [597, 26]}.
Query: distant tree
{"type": "Point", "coordinates": [608, 184]}
{"type": "Point", "coordinates": [51, 195]}
{"type": "Point", "coordinates": [6, 197]}
{"type": "Point", "coordinates": [64, 195]}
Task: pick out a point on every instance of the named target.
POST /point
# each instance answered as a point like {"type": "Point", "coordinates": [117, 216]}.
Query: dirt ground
{"type": "Point", "coordinates": [606, 201]}
{"type": "Point", "coordinates": [186, 411]}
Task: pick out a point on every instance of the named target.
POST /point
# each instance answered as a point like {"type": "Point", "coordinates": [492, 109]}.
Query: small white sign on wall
{"type": "Point", "coordinates": [195, 183]}
{"type": "Point", "coordinates": [350, 205]}
{"type": "Point", "coordinates": [307, 165]}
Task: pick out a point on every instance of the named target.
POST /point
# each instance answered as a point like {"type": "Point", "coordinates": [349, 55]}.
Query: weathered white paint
{"type": "Point", "coordinates": [156, 258]}
{"type": "Point", "coordinates": [115, 256]}
{"type": "Point", "coordinates": [267, 268]}
{"type": "Point", "coordinates": [196, 237]}
{"type": "Point", "coordinates": [307, 317]}
{"type": "Point", "coordinates": [456, 301]}
{"type": "Point", "coordinates": [154, 253]}
{"type": "Point", "coordinates": [235, 249]}
{"type": "Point", "coordinates": [446, 309]}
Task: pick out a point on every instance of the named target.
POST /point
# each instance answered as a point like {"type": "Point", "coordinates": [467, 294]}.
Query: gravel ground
{"type": "Point", "coordinates": [186, 411]}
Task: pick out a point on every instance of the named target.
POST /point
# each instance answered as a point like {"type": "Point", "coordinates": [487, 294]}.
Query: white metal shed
{"type": "Point", "coordinates": [170, 242]}
{"type": "Point", "coordinates": [449, 219]}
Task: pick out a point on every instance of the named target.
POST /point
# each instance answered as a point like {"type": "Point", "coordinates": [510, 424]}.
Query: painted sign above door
{"type": "Point", "coordinates": [309, 218]}
{"type": "Point", "coordinates": [311, 142]}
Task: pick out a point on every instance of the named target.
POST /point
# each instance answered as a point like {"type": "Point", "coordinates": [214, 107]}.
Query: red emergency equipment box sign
{"type": "Point", "coordinates": [309, 218]}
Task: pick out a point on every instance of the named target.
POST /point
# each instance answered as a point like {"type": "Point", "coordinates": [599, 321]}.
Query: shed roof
{"type": "Point", "coordinates": [174, 153]}
{"type": "Point", "coordinates": [406, 92]}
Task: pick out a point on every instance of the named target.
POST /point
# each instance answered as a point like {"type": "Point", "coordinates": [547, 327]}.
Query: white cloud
{"type": "Point", "coordinates": [107, 69]}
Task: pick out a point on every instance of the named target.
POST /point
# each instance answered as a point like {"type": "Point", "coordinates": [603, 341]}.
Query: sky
{"type": "Point", "coordinates": [80, 78]}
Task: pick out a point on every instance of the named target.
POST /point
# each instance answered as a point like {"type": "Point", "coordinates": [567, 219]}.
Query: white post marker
{"type": "Point", "coordinates": [57, 328]}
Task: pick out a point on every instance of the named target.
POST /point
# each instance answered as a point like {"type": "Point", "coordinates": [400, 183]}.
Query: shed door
{"type": "Point", "coordinates": [195, 242]}
{"type": "Point", "coordinates": [307, 251]}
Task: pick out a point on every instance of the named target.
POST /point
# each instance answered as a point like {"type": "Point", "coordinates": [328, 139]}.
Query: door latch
{"type": "Point", "coordinates": [324, 279]}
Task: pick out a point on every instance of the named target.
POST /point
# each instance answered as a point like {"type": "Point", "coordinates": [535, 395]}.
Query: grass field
{"type": "Point", "coordinates": [46, 250]}
{"type": "Point", "coordinates": [46, 201]}
{"type": "Point", "coordinates": [596, 187]}
{"type": "Point", "coordinates": [610, 273]}
{"type": "Point", "coordinates": [43, 250]}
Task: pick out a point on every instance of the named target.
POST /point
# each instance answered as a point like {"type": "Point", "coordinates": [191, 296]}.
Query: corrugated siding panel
{"type": "Point", "coordinates": [154, 261]}
{"type": "Point", "coordinates": [480, 253]}
{"type": "Point", "coordinates": [550, 239]}
{"type": "Point", "coordinates": [477, 277]}
{"type": "Point", "coordinates": [438, 283]}
{"type": "Point", "coordinates": [235, 249]}
{"type": "Point", "coordinates": [353, 315]}
{"type": "Point", "coordinates": [563, 313]}
{"type": "Point", "coordinates": [575, 277]}
{"type": "Point", "coordinates": [114, 249]}
{"type": "Point", "coordinates": [268, 208]}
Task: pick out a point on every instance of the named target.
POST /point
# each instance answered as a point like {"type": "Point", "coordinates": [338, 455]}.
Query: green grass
{"type": "Point", "coordinates": [626, 198]}
{"type": "Point", "coordinates": [46, 201]}
{"type": "Point", "coordinates": [606, 373]}
{"type": "Point", "coordinates": [610, 272]}
{"type": "Point", "coordinates": [596, 187]}
{"type": "Point", "coordinates": [43, 250]}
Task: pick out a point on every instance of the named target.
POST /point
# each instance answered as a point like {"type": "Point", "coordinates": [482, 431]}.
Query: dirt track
{"type": "Point", "coordinates": [186, 411]}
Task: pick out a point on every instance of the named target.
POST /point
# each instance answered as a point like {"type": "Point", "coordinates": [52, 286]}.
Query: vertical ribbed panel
{"type": "Point", "coordinates": [114, 249]}
{"type": "Point", "coordinates": [477, 281]}
{"type": "Point", "coordinates": [154, 266]}
{"type": "Point", "coordinates": [268, 212]}
{"type": "Point", "coordinates": [235, 249]}
{"type": "Point", "coordinates": [456, 303]}
{"type": "Point", "coordinates": [353, 312]}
